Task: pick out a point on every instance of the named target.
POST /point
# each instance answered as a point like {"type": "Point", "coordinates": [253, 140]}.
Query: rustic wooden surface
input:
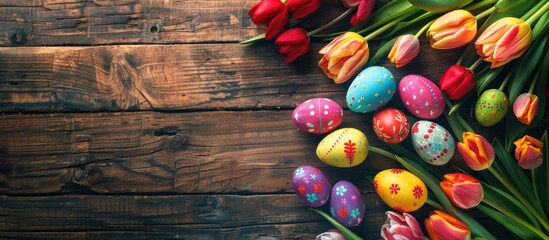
{"type": "Point", "coordinates": [147, 120]}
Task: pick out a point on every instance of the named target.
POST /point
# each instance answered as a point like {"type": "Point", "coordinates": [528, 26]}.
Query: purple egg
{"type": "Point", "coordinates": [346, 204]}
{"type": "Point", "coordinates": [317, 115]}
{"type": "Point", "coordinates": [421, 97]}
{"type": "Point", "coordinates": [311, 186]}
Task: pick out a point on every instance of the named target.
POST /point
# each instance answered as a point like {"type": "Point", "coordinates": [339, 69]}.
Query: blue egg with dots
{"type": "Point", "coordinates": [372, 88]}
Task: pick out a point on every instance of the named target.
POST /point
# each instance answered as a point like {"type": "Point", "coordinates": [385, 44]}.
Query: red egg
{"type": "Point", "coordinates": [317, 115]}
{"type": "Point", "coordinates": [390, 125]}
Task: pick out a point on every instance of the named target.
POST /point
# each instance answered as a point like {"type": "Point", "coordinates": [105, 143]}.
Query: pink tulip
{"type": "Point", "coordinates": [477, 153]}
{"type": "Point", "coordinates": [402, 226]}
{"type": "Point", "coordinates": [528, 152]}
{"type": "Point", "coordinates": [442, 226]}
{"type": "Point", "coordinates": [332, 234]}
{"type": "Point", "coordinates": [405, 48]}
{"type": "Point", "coordinates": [344, 56]}
{"type": "Point", "coordinates": [525, 107]}
{"type": "Point", "coordinates": [463, 190]}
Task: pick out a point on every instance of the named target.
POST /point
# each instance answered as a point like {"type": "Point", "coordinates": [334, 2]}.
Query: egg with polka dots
{"type": "Point", "coordinates": [491, 107]}
{"type": "Point", "coordinates": [317, 115]}
{"type": "Point", "coordinates": [421, 96]}
{"type": "Point", "coordinates": [372, 88]}
{"type": "Point", "coordinates": [432, 142]}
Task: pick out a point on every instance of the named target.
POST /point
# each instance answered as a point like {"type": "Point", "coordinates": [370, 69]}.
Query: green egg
{"type": "Point", "coordinates": [491, 107]}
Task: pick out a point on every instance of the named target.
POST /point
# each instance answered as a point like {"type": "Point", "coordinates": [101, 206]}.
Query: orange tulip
{"type": "Point", "coordinates": [452, 30]}
{"type": "Point", "coordinates": [504, 40]}
{"type": "Point", "coordinates": [477, 153]}
{"type": "Point", "coordinates": [529, 152]}
{"type": "Point", "coordinates": [525, 107]}
{"type": "Point", "coordinates": [344, 56]}
{"type": "Point", "coordinates": [463, 190]}
{"type": "Point", "coordinates": [441, 225]}
{"type": "Point", "coordinates": [405, 48]}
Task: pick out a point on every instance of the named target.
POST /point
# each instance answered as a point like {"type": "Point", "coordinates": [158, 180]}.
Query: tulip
{"type": "Point", "coordinates": [302, 8]}
{"type": "Point", "coordinates": [441, 225]}
{"type": "Point", "coordinates": [504, 40]}
{"type": "Point", "coordinates": [463, 190]}
{"type": "Point", "coordinates": [452, 30]}
{"type": "Point", "coordinates": [477, 153]}
{"type": "Point", "coordinates": [528, 152]}
{"type": "Point", "coordinates": [525, 107]}
{"type": "Point", "coordinates": [332, 234]}
{"type": "Point", "coordinates": [293, 43]}
{"type": "Point", "coordinates": [274, 13]}
{"type": "Point", "coordinates": [405, 48]}
{"type": "Point", "coordinates": [344, 56]}
{"type": "Point", "coordinates": [457, 81]}
{"type": "Point", "coordinates": [364, 9]}
{"type": "Point", "coordinates": [402, 226]}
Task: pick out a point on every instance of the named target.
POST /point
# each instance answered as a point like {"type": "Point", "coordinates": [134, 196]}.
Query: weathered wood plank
{"type": "Point", "coordinates": [168, 77]}
{"type": "Point", "coordinates": [197, 152]}
{"type": "Point", "coordinates": [279, 216]}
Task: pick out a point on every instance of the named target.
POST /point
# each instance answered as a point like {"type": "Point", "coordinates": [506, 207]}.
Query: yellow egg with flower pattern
{"type": "Point", "coordinates": [400, 189]}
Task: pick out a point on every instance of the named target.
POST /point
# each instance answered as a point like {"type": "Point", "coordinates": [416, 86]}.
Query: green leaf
{"type": "Point", "coordinates": [488, 78]}
{"type": "Point", "coordinates": [345, 231]}
{"type": "Point", "coordinates": [512, 225]}
{"type": "Point", "coordinates": [383, 51]}
{"type": "Point", "coordinates": [540, 176]}
{"type": "Point", "coordinates": [507, 202]}
{"type": "Point", "coordinates": [255, 39]}
{"type": "Point", "coordinates": [385, 14]}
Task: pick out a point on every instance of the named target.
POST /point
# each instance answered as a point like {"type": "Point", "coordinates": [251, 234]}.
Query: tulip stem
{"type": "Point", "coordinates": [520, 197]}
{"type": "Point", "coordinates": [434, 204]}
{"type": "Point", "coordinates": [424, 28]}
{"type": "Point", "coordinates": [537, 14]}
{"type": "Point", "coordinates": [384, 28]}
{"type": "Point", "coordinates": [475, 65]}
{"type": "Point", "coordinates": [533, 84]}
{"type": "Point", "coordinates": [459, 118]}
{"type": "Point", "coordinates": [334, 21]}
{"type": "Point", "coordinates": [516, 218]}
{"type": "Point", "coordinates": [485, 13]}
{"type": "Point", "coordinates": [505, 81]}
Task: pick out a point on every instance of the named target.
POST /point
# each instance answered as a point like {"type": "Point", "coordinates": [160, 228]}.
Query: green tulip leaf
{"type": "Point", "coordinates": [345, 231]}
{"type": "Point", "coordinates": [382, 52]}
{"type": "Point", "coordinates": [525, 67]}
{"type": "Point", "coordinates": [507, 202]}
{"type": "Point", "coordinates": [384, 15]}
{"type": "Point", "coordinates": [540, 176]}
{"type": "Point", "coordinates": [255, 39]}
{"type": "Point", "coordinates": [509, 223]}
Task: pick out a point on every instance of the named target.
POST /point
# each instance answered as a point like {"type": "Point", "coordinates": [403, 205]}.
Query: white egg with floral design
{"type": "Point", "coordinates": [433, 143]}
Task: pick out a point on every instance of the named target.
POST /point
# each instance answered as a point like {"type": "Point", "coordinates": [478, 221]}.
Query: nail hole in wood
{"type": "Point", "coordinates": [154, 29]}
{"type": "Point", "coordinates": [19, 37]}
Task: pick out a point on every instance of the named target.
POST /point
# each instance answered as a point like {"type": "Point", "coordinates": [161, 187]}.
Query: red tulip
{"type": "Point", "coordinates": [441, 225]}
{"type": "Point", "coordinates": [364, 9]}
{"type": "Point", "coordinates": [293, 43]}
{"type": "Point", "coordinates": [529, 152]}
{"type": "Point", "coordinates": [457, 81]}
{"type": "Point", "coordinates": [302, 8]}
{"type": "Point", "coordinates": [463, 190]}
{"type": "Point", "coordinates": [477, 153]}
{"type": "Point", "coordinates": [274, 13]}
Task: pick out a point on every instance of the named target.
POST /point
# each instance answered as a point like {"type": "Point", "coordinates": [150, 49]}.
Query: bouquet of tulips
{"type": "Point", "coordinates": [506, 176]}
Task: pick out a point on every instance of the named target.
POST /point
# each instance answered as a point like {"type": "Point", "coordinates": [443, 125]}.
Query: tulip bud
{"type": "Point", "coordinates": [525, 107]}
{"type": "Point", "coordinates": [274, 13]}
{"type": "Point", "coordinates": [363, 11]}
{"type": "Point", "coordinates": [452, 30]}
{"type": "Point", "coordinates": [405, 48]}
{"type": "Point", "coordinates": [332, 234]}
{"type": "Point", "coordinates": [302, 8]}
{"type": "Point", "coordinates": [402, 226]}
{"type": "Point", "coordinates": [504, 40]}
{"type": "Point", "coordinates": [477, 153]}
{"type": "Point", "coordinates": [344, 56]}
{"type": "Point", "coordinates": [457, 81]}
{"type": "Point", "coordinates": [528, 152]}
{"type": "Point", "coordinates": [293, 43]}
{"type": "Point", "coordinates": [441, 225]}
{"type": "Point", "coordinates": [463, 190]}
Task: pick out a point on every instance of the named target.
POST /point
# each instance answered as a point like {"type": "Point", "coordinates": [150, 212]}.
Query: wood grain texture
{"type": "Point", "coordinates": [148, 152]}
{"type": "Point", "coordinates": [171, 77]}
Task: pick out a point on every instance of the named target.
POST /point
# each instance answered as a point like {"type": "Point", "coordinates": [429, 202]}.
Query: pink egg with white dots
{"type": "Point", "coordinates": [421, 97]}
{"type": "Point", "coordinates": [432, 142]}
{"type": "Point", "coordinates": [317, 115]}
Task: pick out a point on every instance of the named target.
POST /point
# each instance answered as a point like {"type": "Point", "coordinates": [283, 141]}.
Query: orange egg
{"type": "Point", "coordinates": [400, 189]}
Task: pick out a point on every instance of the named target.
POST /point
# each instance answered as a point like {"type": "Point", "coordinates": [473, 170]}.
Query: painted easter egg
{"type": "Point", "coordinates": [346, 204]}
{"type": "Point", "coordinates": [491, 107]}
{"type": "Point", "coordinates": [317, 115]}
{"type": "Point", "coordinates": [400, 189]}
{"type": "Point", "coordinates": [421, 97]}
{"type": "Point", "coordinates": [372, 88]}
{"type": "Point", "coordinates": [311, 186]}
{"type": "Point", "coordinates": [345, 147]}
{"type": "Point", "coordinates": [432, 142]}
{"type": "Point", "coordinates": [390, 125]}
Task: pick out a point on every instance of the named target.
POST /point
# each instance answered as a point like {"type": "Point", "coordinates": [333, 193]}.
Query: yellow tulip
{"type": "Point", "coordinates": [344, 56]}
{"type": "Point", "coordinates": [452, 30]}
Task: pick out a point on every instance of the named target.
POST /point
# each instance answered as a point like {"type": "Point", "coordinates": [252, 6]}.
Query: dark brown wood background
{"type": "Point", "coordinates": [137, 119]}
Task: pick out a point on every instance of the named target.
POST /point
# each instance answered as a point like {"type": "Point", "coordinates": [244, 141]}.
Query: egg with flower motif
{"type": "Point", "coordinates": [400, 189]}
{"type": "Point", "coordinates": [317, 115]}
{"type": "Point", "coordinates": [432, 142]}
{"type": "Point", "coordinates": [372, 88]}
{"type": "Point", "coordinates": [345, 147]}
{"type": "Point", "coordinates": [311, 186]}
{"type": "Point", "coordinates": [491, 107]}
{"type": "Point", "coordinates": [421, 97]}
{"type": "Point", "coordinates": [346, 204]}
{"type": "Point", "coordinates": [390, 125]}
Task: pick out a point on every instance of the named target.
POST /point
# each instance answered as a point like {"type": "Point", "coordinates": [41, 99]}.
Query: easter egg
{"type": "Point", "coordinates": [311, 186]}
{"type": "Point", "coordinates": [491, 107]}
{"type": "Point", "coordinates": [345, 147]}
{"type": "Point", "coordinates": [317, 115]}
{"type": "Point", "coordinates": [432, 142]}
{"type": "Point", "coordinates": [400, 189]}
{"type": "Point", "coordinates": [346, 204]}
{"type": "Point", "coordinates": [372, 88]}
{"type": "Point", "coordinates": [421, 97]}
{"type": "Point", "coordinates": [390, 125]}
